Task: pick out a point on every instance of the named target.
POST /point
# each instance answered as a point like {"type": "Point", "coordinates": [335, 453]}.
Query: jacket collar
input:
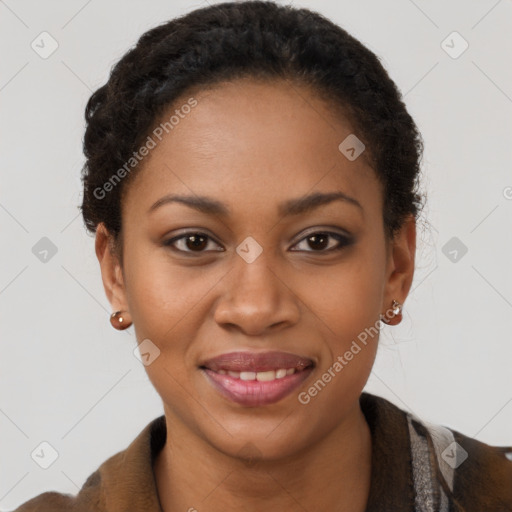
{"type": "Point", "coordinates": [392, 486]}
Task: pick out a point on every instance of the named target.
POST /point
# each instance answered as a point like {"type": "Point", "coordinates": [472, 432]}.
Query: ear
{"type": "Point", "coordinates": [111, 271]}
{"type": "Point", "coordinates": [400, 265]}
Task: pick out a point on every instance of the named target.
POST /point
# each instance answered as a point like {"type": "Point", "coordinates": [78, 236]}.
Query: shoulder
{"type": "Point", "coordinates": [111, 486]}
{"type": "Point", "coordinates": [87, 499]}
{"type": "Point", "coordinates": [449, 469]}
{"type": "Point", "coordinates": [472, 474]}
{"type": "Point", "coordinates": [485, 475]}
{"type": "Point", "coordinates": [54, 501]}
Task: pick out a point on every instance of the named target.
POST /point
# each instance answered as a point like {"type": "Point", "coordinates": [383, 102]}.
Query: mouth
{"type": "Point", "coordinates": [254, 379]}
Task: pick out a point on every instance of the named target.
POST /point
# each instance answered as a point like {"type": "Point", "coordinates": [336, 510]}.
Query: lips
{"type": "Point", "coordinates": [257, 362]}
{"type": "Point", "coordinates": [255, 379]}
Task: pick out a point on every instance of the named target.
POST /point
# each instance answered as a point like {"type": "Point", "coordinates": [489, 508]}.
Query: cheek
{"type": "Point", "coordinates": [166, 302]}
{"type": "Point", "coordinates": [347, 305]}
{"type": "Point", "coordinates": [347, 297]}
{"type": "Point", "coordinates": [349, 322]}
{"type": "Point", "coordinates": [162, 294]}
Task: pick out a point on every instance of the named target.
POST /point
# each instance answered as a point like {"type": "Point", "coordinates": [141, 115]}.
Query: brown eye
{"type": "Point", "coordinates": [319, 241]}
{"type": "Point", "coordinates": [190, 242]}
{"type": "Point", "coordinates": [194, 242]}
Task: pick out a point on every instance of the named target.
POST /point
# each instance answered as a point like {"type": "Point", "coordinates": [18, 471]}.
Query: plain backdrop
{"type": "Point", "coordinates": [69, 379]}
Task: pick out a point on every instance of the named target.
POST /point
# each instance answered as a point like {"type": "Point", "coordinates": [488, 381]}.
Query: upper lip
{"type": "Point", "coordinates": [256, 361]}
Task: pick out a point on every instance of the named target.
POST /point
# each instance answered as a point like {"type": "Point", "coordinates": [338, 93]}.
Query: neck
{"type": "Point", "coordinates": [333, 474]}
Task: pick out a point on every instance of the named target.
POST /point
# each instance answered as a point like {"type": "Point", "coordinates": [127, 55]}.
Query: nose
{"type": "Point", "coordinates": [256, 299]}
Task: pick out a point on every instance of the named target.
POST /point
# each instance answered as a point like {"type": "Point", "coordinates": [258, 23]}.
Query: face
{"type": "Point", "coordinates": [258, 273]}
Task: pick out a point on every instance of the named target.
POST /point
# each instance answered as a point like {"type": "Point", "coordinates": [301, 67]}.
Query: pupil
{"type": "Point", "coordinates": [320, 236]}
{"type": "Point", "coordinates": [197, 241]}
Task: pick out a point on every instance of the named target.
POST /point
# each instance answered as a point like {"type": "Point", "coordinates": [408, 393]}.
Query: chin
{"type": "Point", "coordinates": [259, 440]}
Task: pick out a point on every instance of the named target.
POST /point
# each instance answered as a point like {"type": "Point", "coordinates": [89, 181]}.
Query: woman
{"type": "Point", "coordinates": [251, 179]}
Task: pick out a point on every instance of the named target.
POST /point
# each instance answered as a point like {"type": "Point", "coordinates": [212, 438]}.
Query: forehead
{"type": "Point", "coordinates": [252, 138]}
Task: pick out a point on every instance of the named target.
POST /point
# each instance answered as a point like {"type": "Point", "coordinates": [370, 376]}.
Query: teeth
{"type": "Point", "coordinates": [259, 376]}
{"type": "Point", "coordinates": [265, 376]}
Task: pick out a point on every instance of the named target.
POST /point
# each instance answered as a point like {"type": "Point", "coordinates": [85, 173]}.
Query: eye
{"type": "Point", "coordinates": [198, 242]}
{"type": "Point", "coordinates": [319, 240]}
{"type": "Point", "coordinates": [191, 242]}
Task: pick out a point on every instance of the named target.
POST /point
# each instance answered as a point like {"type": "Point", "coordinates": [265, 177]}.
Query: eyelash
{"type": "Point", "coordinates": [343, 241]}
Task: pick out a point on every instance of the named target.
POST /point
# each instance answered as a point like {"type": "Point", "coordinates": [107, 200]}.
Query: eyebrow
{"type": "Point", "coordinates": [290, 207]}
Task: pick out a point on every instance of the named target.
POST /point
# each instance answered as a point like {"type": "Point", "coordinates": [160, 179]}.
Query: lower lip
{"type": "Point", "coordinates": [254, 393]}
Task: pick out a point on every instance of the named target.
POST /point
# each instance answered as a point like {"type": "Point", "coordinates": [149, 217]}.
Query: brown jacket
{"type": "Point", "coordinates": [416, 466]}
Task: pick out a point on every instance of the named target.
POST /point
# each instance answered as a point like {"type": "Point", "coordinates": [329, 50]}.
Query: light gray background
{"type": "Point", "coordinates": [68, 378]}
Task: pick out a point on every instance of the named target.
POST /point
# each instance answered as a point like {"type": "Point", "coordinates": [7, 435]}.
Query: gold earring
{"type": "Point", "coordinates": [119, 320]}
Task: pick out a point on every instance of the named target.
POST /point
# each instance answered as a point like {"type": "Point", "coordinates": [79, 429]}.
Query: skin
{"type": "Point", "coordinates": [253, 145]}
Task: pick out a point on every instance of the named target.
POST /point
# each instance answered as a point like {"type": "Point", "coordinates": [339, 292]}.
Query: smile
{"type": "Point", "coordinates": [259, 376]}
{"type": "Point", "coordinates": [256, 378]}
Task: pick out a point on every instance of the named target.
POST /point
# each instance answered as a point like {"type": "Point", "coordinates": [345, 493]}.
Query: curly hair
{"type": "Point", "coordinates": [258, 39]}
